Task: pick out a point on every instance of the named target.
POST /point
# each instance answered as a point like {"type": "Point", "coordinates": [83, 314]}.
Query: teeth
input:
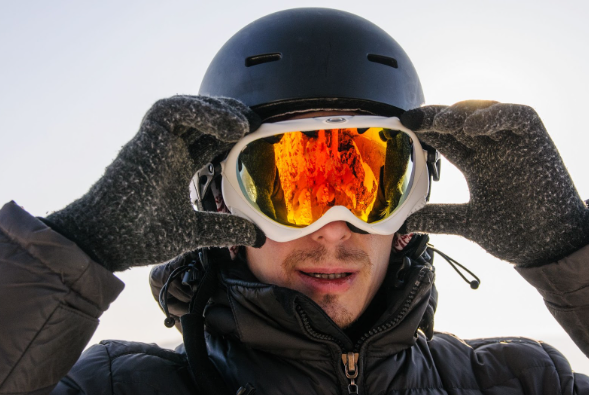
{"type": "Point", "coordinates": [328, 276]}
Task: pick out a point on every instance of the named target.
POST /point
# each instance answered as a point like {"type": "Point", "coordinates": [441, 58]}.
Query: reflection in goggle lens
{"type": "Point", "coordinates": [294, 178]}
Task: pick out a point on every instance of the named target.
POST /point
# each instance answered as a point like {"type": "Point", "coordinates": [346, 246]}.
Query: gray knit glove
{"type": "Point", "coordinates": [139, 212]}
{"type": "Point", "coordinates": [523, 205]}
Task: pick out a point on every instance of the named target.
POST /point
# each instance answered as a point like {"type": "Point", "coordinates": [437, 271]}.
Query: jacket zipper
{"type": "Point", "coordinates": [350, 359]}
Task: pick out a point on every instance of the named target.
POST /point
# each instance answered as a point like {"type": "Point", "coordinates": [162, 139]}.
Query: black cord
{"type": "Point", "coordinates": [163, 296]}
{"type": "Point", "coordinates": [474, 284]}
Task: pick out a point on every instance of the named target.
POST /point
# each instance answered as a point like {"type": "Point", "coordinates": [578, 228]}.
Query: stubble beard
{"type": "Point", "coordinates": [330, 303]}
{"type": "Point", "coordinates": [336, 311]}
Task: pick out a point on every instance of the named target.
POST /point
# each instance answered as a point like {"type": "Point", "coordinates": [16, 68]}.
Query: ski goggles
{"type": "Point", "coordinates": [293, 177]}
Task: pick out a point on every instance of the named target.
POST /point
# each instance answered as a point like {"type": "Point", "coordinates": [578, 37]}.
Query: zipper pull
{"type": "Point", "coordinates": [350, 361]}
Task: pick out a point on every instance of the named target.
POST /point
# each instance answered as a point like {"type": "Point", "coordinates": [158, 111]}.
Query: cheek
{"type": "Point", "coordinates": [380, 251]}
{"type": "Point", "coordinates": [264, 263]}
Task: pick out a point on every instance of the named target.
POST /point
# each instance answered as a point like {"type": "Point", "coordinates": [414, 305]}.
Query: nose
{"type": "Point", "coordinates": [333, 232]}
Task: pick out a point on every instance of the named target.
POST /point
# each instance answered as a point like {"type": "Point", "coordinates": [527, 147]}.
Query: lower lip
{"type": "Point", "coordinates": [327, 286]}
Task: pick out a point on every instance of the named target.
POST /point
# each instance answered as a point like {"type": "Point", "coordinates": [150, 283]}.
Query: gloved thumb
{"type": "Point", "coordinates": [225, 230]}
{"type": "Point", "coordinates": [438, 218]}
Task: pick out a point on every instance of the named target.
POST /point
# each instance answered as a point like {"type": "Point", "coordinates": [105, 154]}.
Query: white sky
{"type": "Point", "coordinates": [77, 77]}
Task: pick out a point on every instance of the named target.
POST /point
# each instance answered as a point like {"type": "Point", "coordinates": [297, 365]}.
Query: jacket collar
{"type": "Point", "coordinates": [284, 321]}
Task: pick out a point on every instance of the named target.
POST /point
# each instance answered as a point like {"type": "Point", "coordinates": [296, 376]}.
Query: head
{"type": "Point", "coordinates": [339, 269]}
{"type": "Point", "coordinates": [315, 62]}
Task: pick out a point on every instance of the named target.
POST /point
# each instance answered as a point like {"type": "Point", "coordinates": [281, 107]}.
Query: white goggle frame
{"type": "Point", "coordinates": [238, 204]}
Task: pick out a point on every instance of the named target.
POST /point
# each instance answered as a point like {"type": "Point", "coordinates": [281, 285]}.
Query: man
{"type": "Point", "coordinates": [327, 296]}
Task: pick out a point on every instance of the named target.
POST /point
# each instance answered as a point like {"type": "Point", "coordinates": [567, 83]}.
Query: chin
{"type": "Point", "coordinates": [339, 314]}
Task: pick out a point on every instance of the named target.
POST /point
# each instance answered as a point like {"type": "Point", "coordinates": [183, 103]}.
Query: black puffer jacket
{"type": "Point", "coordinates": [275, 339]}
{"type": "Point", "coordinates": [268, 331]}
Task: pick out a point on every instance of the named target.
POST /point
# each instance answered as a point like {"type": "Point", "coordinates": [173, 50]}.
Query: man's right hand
{"type": "Point", "coordinates": [139, 212]}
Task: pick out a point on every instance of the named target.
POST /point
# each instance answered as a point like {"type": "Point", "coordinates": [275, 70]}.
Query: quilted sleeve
{"type": "Point", "coordinates": [564, 285]}
{"type": "Point", "coordinates": [51, 295]}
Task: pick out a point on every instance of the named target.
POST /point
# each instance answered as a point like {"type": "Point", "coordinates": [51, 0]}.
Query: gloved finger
{"type": "Point", "coordinates": [451, 119]}
{"type": "Point", "coordinates": [225, 230]}
{"type": "Point", "coordinates": [499, 136]}
{"type": "Point", "coordinates": [205, 149]}
{"type": "Point", "coordinates": [501, 117]}
{"type": "Point", "coordinates": [223, 118]}
{"type": "Point", "coordinates": [439, 219]}
{"type": "Point", "coordinates": [456, 139]}
{"type": "Point", "coordinates": [252, 117]}
{"type": "Point", "coordinates": [452, 149]}
{"type": "Point", "coordinates": [226, 119]}
{"type": "Point", "coordinates": [422, 118]}
{"type": "Point", "coordinates": [452, 143]}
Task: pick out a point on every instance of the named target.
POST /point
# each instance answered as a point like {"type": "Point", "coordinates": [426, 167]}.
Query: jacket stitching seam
{"type": "Point", "coordinates": [515, 377]}
{"type": "Point", "coordinates": [553, 365]}
{"type": "Point", "coordinates": [25, 351]}
{"type": "Point", "coordinates": [170, 357]}
{"type": "Point", "coordinates": [232, 305]}
{"type": "Point", "coordinates": [559, 308]}
{"type": "Point", "coordinates": [518, 374]}
{"type": "Point", "coordinates": [548, 276]}
{"type": "Point", "coordinates": [475, 344]}
{"type": "Point", "coordinates": [42, 261]}
{"type": "Point", "coordinates": [110, 359]}
{"type": "Point", "coordinates": [561, 293]}
{"type": "Point", "coordinates": [141, 353]}
{"type": "Point", "coordinates": [77, 313]}
{"type": "Point", "coordinates": [329, 359]}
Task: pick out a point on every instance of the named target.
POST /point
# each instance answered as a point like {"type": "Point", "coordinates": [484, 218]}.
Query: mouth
{"type": "Point", "coordinates": [318, 283]}
{"type": "Point", "coordinates": [327, 276]}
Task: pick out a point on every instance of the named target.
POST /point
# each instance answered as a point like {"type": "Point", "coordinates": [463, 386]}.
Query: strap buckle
{"type": "Point", "coordinates": [200, 184]}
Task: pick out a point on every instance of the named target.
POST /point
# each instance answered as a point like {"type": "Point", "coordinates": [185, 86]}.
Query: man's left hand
{"type": "Point", "coordinates": [523, 205]}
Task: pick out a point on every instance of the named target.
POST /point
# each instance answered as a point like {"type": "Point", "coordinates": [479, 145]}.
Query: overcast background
{"type": "Point", "coordinates": [77, 77]}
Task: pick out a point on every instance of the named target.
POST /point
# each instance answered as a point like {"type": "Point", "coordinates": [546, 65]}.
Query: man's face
{"type": "Point", "coordinates": [337, 268]}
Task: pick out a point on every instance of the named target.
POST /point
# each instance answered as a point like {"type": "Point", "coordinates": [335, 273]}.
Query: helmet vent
{"type": "Point", "coordinates": [259, 59]}
{"type": "Point", "coordinates": [386, 60]}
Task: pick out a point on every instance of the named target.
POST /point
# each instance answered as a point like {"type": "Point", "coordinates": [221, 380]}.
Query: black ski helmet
{"type": "Point", "coordinates": [314, 58]}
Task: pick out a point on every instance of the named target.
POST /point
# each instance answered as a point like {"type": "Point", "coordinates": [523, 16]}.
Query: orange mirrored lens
{"type": "Point", "coordinates": [294, 178]}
